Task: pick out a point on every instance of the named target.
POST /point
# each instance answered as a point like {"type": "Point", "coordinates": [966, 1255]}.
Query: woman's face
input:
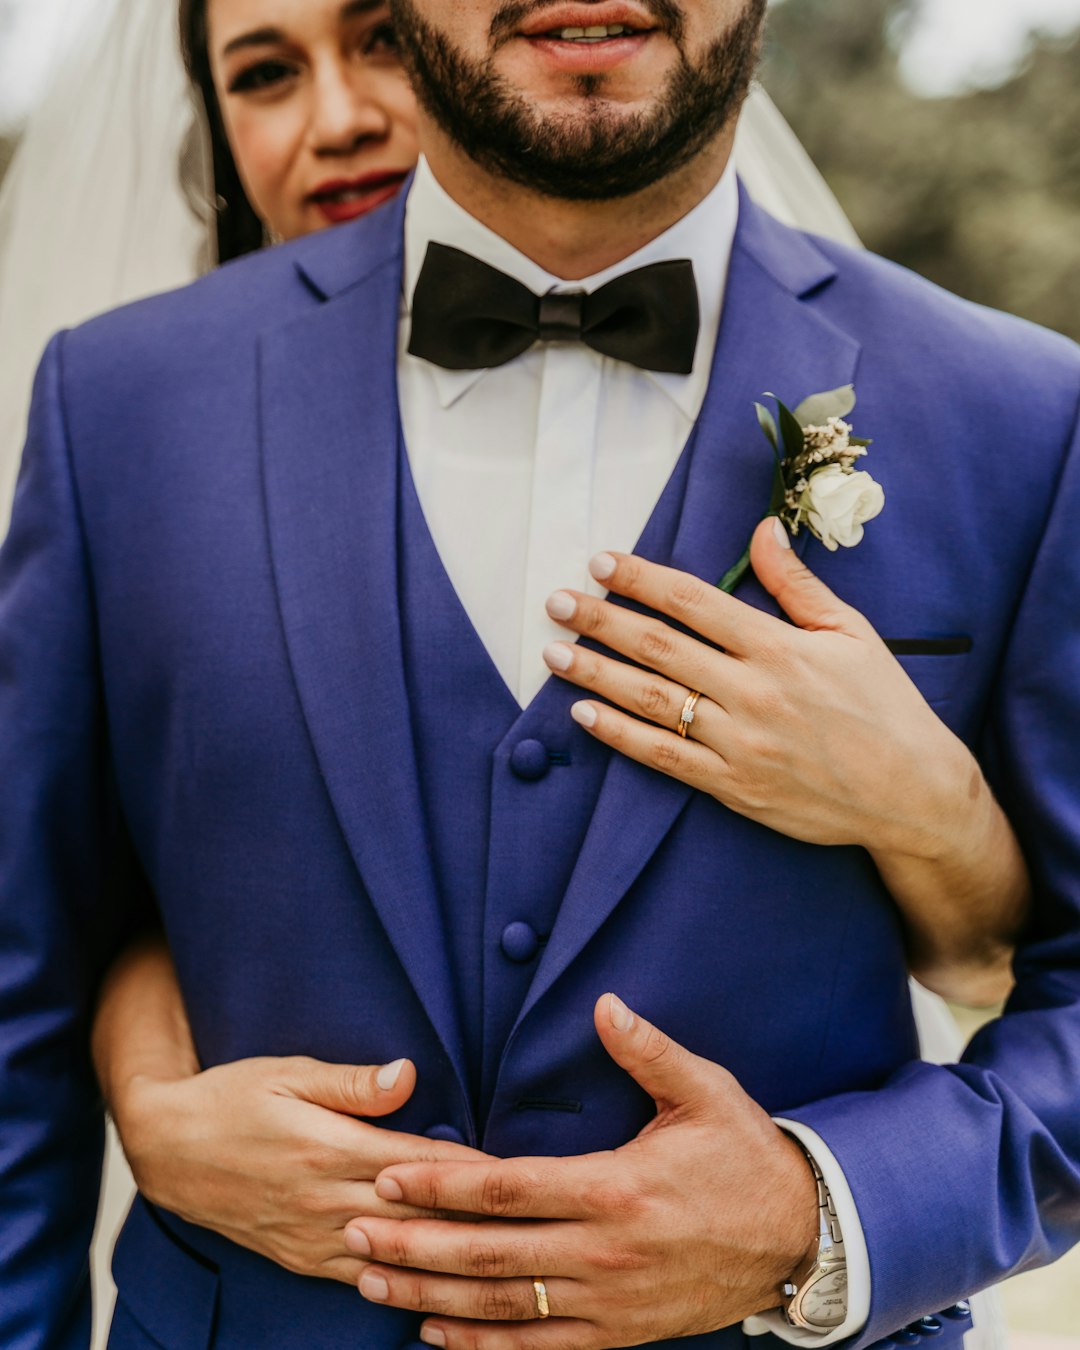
{"type": "Point", "coordinates": [318, 111]}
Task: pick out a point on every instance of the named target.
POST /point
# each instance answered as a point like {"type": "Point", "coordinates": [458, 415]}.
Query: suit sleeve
{"type": "Point", "coordinates": [57, 926]}
{"type": "Point", "coordinates": [966, 1174]}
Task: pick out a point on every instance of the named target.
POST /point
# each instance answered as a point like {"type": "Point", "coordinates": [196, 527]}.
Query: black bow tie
{"type": "Point", "coordinates": [469, 316]}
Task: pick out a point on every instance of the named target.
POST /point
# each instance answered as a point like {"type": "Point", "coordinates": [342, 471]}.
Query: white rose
{"type": "Point", "coordinates": [837, 505]}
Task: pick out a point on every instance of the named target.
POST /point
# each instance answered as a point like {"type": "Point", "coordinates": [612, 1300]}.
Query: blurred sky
{"type": "Point", "coordinates": [954, 44]}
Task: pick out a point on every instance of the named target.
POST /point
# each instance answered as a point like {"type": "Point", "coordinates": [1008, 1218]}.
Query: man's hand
{"type": "Point", "coordinates": [267, 1153]}
{"type": "Point", "coordinates": [690, 1227]}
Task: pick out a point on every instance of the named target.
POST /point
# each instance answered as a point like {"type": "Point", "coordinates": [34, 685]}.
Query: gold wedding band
{"type": "Point", "coordinates": [687, 715]}
{"type": "Point", "coordinates": [540, 1290]}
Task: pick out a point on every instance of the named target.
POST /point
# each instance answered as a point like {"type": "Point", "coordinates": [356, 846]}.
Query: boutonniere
{"type": "Point", "coordinates": [816, 484]}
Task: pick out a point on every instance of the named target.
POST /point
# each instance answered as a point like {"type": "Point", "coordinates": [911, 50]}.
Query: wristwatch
{"type": "Point", "coordinates": [817, 1293]}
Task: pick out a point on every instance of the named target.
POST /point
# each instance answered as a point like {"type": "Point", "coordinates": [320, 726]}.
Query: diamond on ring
{"type": "Point", "coordinates": [687, 715]}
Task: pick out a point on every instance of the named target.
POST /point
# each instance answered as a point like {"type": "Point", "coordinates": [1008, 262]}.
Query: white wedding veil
{"type": "Point", "coordinates": [108, 196]}
{"type": "Point", "coordinates": [94, 211]}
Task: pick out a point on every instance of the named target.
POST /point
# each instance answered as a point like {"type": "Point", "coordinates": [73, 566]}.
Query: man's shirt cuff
{"type": "Point", "coordinates": [858, 1260]}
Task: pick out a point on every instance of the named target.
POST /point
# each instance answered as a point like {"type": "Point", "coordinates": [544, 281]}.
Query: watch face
{"type": "Point", "coordinates": [825, 1303]}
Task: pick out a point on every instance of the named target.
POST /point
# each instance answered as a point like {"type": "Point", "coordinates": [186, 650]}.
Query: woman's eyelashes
{"type": "Point", "coordinates": [270, 73]}
{"type": "Point", "coordinates": [262, 76]}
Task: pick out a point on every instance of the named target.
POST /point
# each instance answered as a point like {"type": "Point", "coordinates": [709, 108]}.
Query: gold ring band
{"type": "Point", "coordinates": [540, 1290]}
{"type": "Point", "coordinates": [687, 715]}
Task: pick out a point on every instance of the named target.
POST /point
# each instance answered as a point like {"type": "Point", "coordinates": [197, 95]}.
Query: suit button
{"type": "Point", "coordinates": [519, 942]}
{"type": "Point", "coordinates": [529, 760]}
{"type": "Point", "coordinates": [959, 1312]}
{"type": "Point", "coordinates": [446, 1134]}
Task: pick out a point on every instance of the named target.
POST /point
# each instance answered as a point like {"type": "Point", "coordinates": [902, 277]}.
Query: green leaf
{"type": "Point", "coordinates": [816, 410]}
{"type": "Point", "coordinates": [791, 430]}
{"type": "Point", "coordinates": [858, 440]}
{"type": "Point", "coordinates": [734, 575]}
{"type": "Point", "coordinates": [767, 422]}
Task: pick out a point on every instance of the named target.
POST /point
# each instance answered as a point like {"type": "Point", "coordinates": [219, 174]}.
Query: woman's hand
{"type": "Point", "coordinates": [813, 730]}
{"type": "Point", "coordinates": [266, 1152]}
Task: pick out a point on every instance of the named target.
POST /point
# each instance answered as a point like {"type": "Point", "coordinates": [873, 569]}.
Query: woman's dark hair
{"type": "Point", "coordinates": [239, 229]}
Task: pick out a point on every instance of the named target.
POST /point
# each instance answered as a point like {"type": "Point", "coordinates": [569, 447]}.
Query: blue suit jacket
{"type": "Point", "coordinates": [200, 669]}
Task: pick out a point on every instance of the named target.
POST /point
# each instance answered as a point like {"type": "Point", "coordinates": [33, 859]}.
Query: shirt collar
{"type": "Point", "coordinates": [705, 235]}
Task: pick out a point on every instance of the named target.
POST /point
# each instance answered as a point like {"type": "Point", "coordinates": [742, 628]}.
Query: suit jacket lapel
{"type": "Point", "coordinates": [771, 338]}
{"type": "Point", "coordinates": [331, 436]}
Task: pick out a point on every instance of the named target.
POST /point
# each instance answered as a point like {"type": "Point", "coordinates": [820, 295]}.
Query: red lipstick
{"type": "Point", "coordinates": [342, 199]}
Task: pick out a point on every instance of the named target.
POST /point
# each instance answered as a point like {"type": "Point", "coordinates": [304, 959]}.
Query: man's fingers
{"type": "Point", "coordinates": [804, 598]}
{"type": "Point", "coordinates": [477, 1250]}
{"type": "Point", "coordinates": [511, 1300]}
{"type": "Point", "coordinates": [514, 1188]}
{"type": "Point", "coordinates": [668, 1072]}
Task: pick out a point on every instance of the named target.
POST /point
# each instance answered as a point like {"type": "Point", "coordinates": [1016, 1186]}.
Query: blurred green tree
{"type": "Point", "coordinates": [980, 192]}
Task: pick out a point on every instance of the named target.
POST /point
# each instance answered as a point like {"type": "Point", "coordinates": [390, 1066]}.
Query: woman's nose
{"type": "Point", "coordinates": [345, 113]}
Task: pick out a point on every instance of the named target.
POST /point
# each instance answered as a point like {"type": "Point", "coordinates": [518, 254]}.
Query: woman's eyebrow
{"type": "Point", "coordinates": [259, 37]}
{"type": "Point", "coordinates": [266, 37]}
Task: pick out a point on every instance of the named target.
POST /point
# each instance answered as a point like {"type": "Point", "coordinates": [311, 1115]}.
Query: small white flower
{"type": "Point", "coordinates": [837, 503]}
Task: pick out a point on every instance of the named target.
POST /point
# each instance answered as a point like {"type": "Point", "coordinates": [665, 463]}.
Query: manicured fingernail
{"type": "Point", "coordinates": [602, 566]}
{"type": "Point", "coordinates": [374, 1287]}
{"type": "Point", "coordinates": [386, 1188]}
{"type": "Point", "coordinates": [432, 1336]}
{"type": "Point", "coordinates": [389, 1074]}
{"type": "Point", "coordinates": [559, 655]}
{"type": "Point", "coordinates": [780, 531]}
{"type": "Point", "coordinates": [622, 1019]}
{"type": "Point", "coordinates": [357, 1242]}
{"type": "Point", "coordinates": [584, 714]}
{"type": "Point", "coordinates": [561, 606]}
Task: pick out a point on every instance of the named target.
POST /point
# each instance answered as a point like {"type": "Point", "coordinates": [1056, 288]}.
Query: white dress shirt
{"type": "Point", "coordinates": [526, 471]}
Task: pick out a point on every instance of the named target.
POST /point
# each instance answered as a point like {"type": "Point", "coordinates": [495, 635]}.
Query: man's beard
{"type": "Point", "coordinates": [599, 152]}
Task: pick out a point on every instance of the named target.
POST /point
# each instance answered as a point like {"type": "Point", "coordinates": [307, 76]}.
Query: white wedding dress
{"type": "Point", "coordinates": [108, 199]}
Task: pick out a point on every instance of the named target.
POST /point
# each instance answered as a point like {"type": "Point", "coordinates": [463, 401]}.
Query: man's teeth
{"type": "Point", "coordinates": [595, 34]}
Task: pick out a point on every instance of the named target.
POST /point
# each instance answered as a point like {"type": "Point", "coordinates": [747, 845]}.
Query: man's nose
{"type": "Point", "coordinates": [345, 113]}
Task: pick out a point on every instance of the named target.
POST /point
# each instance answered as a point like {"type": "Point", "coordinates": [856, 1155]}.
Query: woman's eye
{"type": "Point", "coordinates": [382, 38]}
{"type": "Point", "coordinates": [264, 75]}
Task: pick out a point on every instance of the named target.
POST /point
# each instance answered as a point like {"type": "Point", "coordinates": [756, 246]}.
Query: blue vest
{"type": "Point", "coordinates": [507, 792]}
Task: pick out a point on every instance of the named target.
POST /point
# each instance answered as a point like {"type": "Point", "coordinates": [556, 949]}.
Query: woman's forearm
{"type": "Point", "coordinates": [964, 898]}
{"type": "Point", "coordinates": [141, 1027]}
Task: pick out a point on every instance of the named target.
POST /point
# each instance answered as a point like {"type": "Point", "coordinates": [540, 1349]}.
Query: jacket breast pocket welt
{"type": "Point", "coordinates": [936, 665]}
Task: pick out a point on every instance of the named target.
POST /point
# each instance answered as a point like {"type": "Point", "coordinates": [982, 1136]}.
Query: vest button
{"type": "Point", "coordinates": [928, 1326]}
{"type": "Point", "coordinates": [959, 1312]}
{"type": "Point", "coordinates": [529, 761]}
{"type": "Point", "coordinates": [446, 1134]}
{"type": "Point", "coordinates": [519, 942]}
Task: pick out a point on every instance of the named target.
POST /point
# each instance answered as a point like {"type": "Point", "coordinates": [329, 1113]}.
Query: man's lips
{"type": "Point", "coordinates": [589, 39]}
{"type": "Point", "coordinates": [580, 19]}
{"type": "Point", "coordinates": [342, 199]}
